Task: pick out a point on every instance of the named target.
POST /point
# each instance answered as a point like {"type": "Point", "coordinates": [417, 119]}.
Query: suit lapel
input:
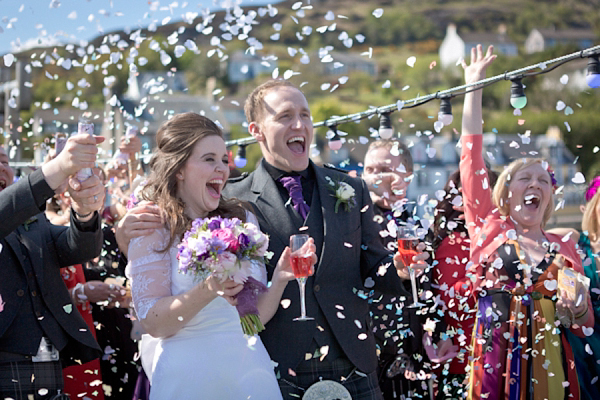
{"type": "Point", "coordinates": [331, 222]}
{"type": "Point", "coordinates": [274, 216]}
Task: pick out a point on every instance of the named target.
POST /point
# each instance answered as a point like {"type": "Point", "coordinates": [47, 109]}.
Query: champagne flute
{"type": "Point", "coordinates": [407, 248]}
{"type": "Point", "coordinates": [301, 261]}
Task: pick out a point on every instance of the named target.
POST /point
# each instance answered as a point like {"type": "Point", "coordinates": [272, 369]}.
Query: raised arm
{"type": "Point", "coordinates": [474, 178]}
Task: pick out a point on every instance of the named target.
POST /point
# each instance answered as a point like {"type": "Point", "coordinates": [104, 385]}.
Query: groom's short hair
{"type": "Point", "coordinates": [254, 105]}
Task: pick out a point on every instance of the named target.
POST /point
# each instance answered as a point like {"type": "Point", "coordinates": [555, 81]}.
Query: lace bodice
{"type": "Point", "coordinates": [155, 274]}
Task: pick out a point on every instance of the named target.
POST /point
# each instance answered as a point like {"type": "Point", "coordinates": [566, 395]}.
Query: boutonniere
{"type": "Point", "coordinates": [344, 193]}
{"type": "Point", "coordinates": [29, 222]}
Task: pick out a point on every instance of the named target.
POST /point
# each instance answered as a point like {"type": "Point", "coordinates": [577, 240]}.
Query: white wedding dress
{"type": "Point", "coordinates": [209, 358]}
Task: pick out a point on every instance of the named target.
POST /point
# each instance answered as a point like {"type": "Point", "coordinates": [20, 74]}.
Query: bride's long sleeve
{"type": "Point", "coordinates": [149, 271]}
{"type": "Point", "coordinates": [161, 313]}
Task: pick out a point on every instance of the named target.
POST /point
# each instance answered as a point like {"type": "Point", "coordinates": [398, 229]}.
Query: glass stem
{"type": "Point", "coordinates": [413, 281]}
{"type": "Point", "coordinates": [302, 284]}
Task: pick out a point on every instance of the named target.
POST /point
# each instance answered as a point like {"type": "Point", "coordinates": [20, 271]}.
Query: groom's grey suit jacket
{"type": "Point", "coordinates": [350, 255]}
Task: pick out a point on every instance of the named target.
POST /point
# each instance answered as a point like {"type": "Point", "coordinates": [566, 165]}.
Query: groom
{"type": "Point", "coordinates": [290, 195]}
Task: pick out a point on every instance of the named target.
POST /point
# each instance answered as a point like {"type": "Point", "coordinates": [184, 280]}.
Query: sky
{"type": "Point", "coordinates": [25, 23]}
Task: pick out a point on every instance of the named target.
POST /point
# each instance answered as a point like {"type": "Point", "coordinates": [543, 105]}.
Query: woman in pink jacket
{"type": "Point", "coordinates": [519, 350]}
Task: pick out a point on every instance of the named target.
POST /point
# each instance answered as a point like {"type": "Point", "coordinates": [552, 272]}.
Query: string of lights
{"type": "Point", "coordinates": [517, 99]}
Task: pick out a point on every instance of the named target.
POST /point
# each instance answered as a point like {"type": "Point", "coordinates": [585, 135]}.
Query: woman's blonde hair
{"type": "Point", "coordinates": [501, 189]}
{"type": "Point", "coordinates": [175, 142]}
{"type": "Point", "coordinates": [590, 221]}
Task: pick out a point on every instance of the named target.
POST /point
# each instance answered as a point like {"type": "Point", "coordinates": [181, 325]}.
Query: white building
{"type": "Point", "coordinates": [542, 39]}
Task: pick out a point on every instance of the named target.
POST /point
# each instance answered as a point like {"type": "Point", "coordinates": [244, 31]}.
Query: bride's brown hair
{"type": "Point", "coordinates": [175, 141]}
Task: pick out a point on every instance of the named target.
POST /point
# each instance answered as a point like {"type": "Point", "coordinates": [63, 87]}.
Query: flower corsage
{"type": "Point", "coordinates": [225, 248]}
{"type": "Point", "coordinates": [344, 194]}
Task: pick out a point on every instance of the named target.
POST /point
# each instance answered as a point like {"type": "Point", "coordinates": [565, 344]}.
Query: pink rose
{"type": "Point", "coordinates": [227, 236]}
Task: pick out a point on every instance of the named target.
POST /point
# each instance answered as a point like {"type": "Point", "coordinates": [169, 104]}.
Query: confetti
{"type": "Point", "coordinates": [578, 178]}
{"type": "Point", "coordinates": [8, 59]}
{"type": "Point", "coordinates": [410, 61]}
{"type": "Point", "coordinates": [377, 13]}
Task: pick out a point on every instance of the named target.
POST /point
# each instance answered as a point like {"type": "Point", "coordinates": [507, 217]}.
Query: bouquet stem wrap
{"type": "Point", "coordinates": [247, 301]}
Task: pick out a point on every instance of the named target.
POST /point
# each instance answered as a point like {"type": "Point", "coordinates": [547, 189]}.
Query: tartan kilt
{"type": "Point", "coordinates": [361, 386]}
{"type": "Point", "coordinates": [24, 380]}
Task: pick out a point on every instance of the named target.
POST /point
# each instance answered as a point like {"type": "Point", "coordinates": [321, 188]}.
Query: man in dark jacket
{"type": "Point", "coordinates": [40, 328]}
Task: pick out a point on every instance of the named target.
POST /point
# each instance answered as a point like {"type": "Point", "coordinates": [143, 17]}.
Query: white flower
{"type": "Point", "coordinates": [344, 191]}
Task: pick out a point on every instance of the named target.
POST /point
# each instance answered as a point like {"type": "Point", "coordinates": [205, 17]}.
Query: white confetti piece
{"type": "Point", "coordinates": [560, 105]}
{"type": "Point", "coordinates": [179, 50]}
{"type": "Point", "coordinates": [587, 331]}
{"type": "Point", "coordinates": [68, 308]}
{"type": "Point", "coordinates": [568, 110]}
{"type": "Point", "coordinates": [275, 73]}
{"type": "Point", "coordinates": [578, 178]}
{"type": "Point", "coordinates": [378, 12]}
{"type": "Point", "coordinates": [410, 61]}
{"type": "Point", "coordinates": [564, 79]}
{"type": "Point", "coordinates": [288, 74]}
{"type": "Point", "coordinates": [285, 303]}
{"type": "Point", "coordinates": [343, 79]}
{"type": "Point", "coordinates": [8, 59]}
{"type": "Point", "coordinates": [551, 285]}
{"type": "Point", "coordinates": [329, 16]}
{"type": "Point", "coordinates": [386, 84]}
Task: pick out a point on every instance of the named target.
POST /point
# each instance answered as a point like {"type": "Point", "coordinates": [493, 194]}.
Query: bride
{"type": "Point", "coordinates": [195, 346]}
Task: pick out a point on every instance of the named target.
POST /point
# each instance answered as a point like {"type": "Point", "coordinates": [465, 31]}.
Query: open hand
{"type": "Point", "coordinates": [475, 71]}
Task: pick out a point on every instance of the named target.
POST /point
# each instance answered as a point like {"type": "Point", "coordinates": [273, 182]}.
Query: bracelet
{"type": "Point", "coordinates": [84, 215]}
{"type": "Point", "coordinates": [581, 314]}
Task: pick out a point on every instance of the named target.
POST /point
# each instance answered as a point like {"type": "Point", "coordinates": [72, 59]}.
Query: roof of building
{"type": "Point", "coordinates": [568, 34]}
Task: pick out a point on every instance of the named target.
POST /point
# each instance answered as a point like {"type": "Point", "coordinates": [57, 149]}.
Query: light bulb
{"type": "Point", "coordinates": [445, 114]}
{"type": "Point", "coordinates": [335, 144]}
{"type": "Point", "coordinates": [445, 119]}
{"type": "Point", "coordinates": [518, 102]}
{"type": "Point", "coordinates": [593, 80]}
{"type": "Point", "coordinates": [517, 94]}
{"type": "Point", "coordinates": [240, 162]}
{"type": "Point", "coordinates": [386, 133]}
{"type": "Point", "coordinates": [593, 72]}
{"type": "Point", "coordinates": [385, 126]}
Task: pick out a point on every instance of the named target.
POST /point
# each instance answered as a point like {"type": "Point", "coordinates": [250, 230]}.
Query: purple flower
{"type": "Point", "coordinates": [244, 241]}
{"type": "Point", "coordinates": [231, 223]}
{"type": "Point", "coordinates": [217, 245]}
{"type": "Point", "coordinates": [214, 223]}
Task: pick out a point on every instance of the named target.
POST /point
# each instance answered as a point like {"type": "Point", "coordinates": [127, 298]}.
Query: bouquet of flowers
{"type": "Point", "coordinates": [224, 248]}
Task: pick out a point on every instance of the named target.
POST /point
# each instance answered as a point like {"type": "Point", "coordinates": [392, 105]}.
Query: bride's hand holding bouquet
{"type": "Point", "coordinates": [219, 252]}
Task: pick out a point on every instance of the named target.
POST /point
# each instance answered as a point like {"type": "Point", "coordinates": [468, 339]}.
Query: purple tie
{"type": "Point", "coordinates": [294, 188]}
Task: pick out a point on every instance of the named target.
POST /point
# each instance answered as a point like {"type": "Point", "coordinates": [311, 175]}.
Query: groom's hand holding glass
{"type": "Point", "coordinates": [282, 274]}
